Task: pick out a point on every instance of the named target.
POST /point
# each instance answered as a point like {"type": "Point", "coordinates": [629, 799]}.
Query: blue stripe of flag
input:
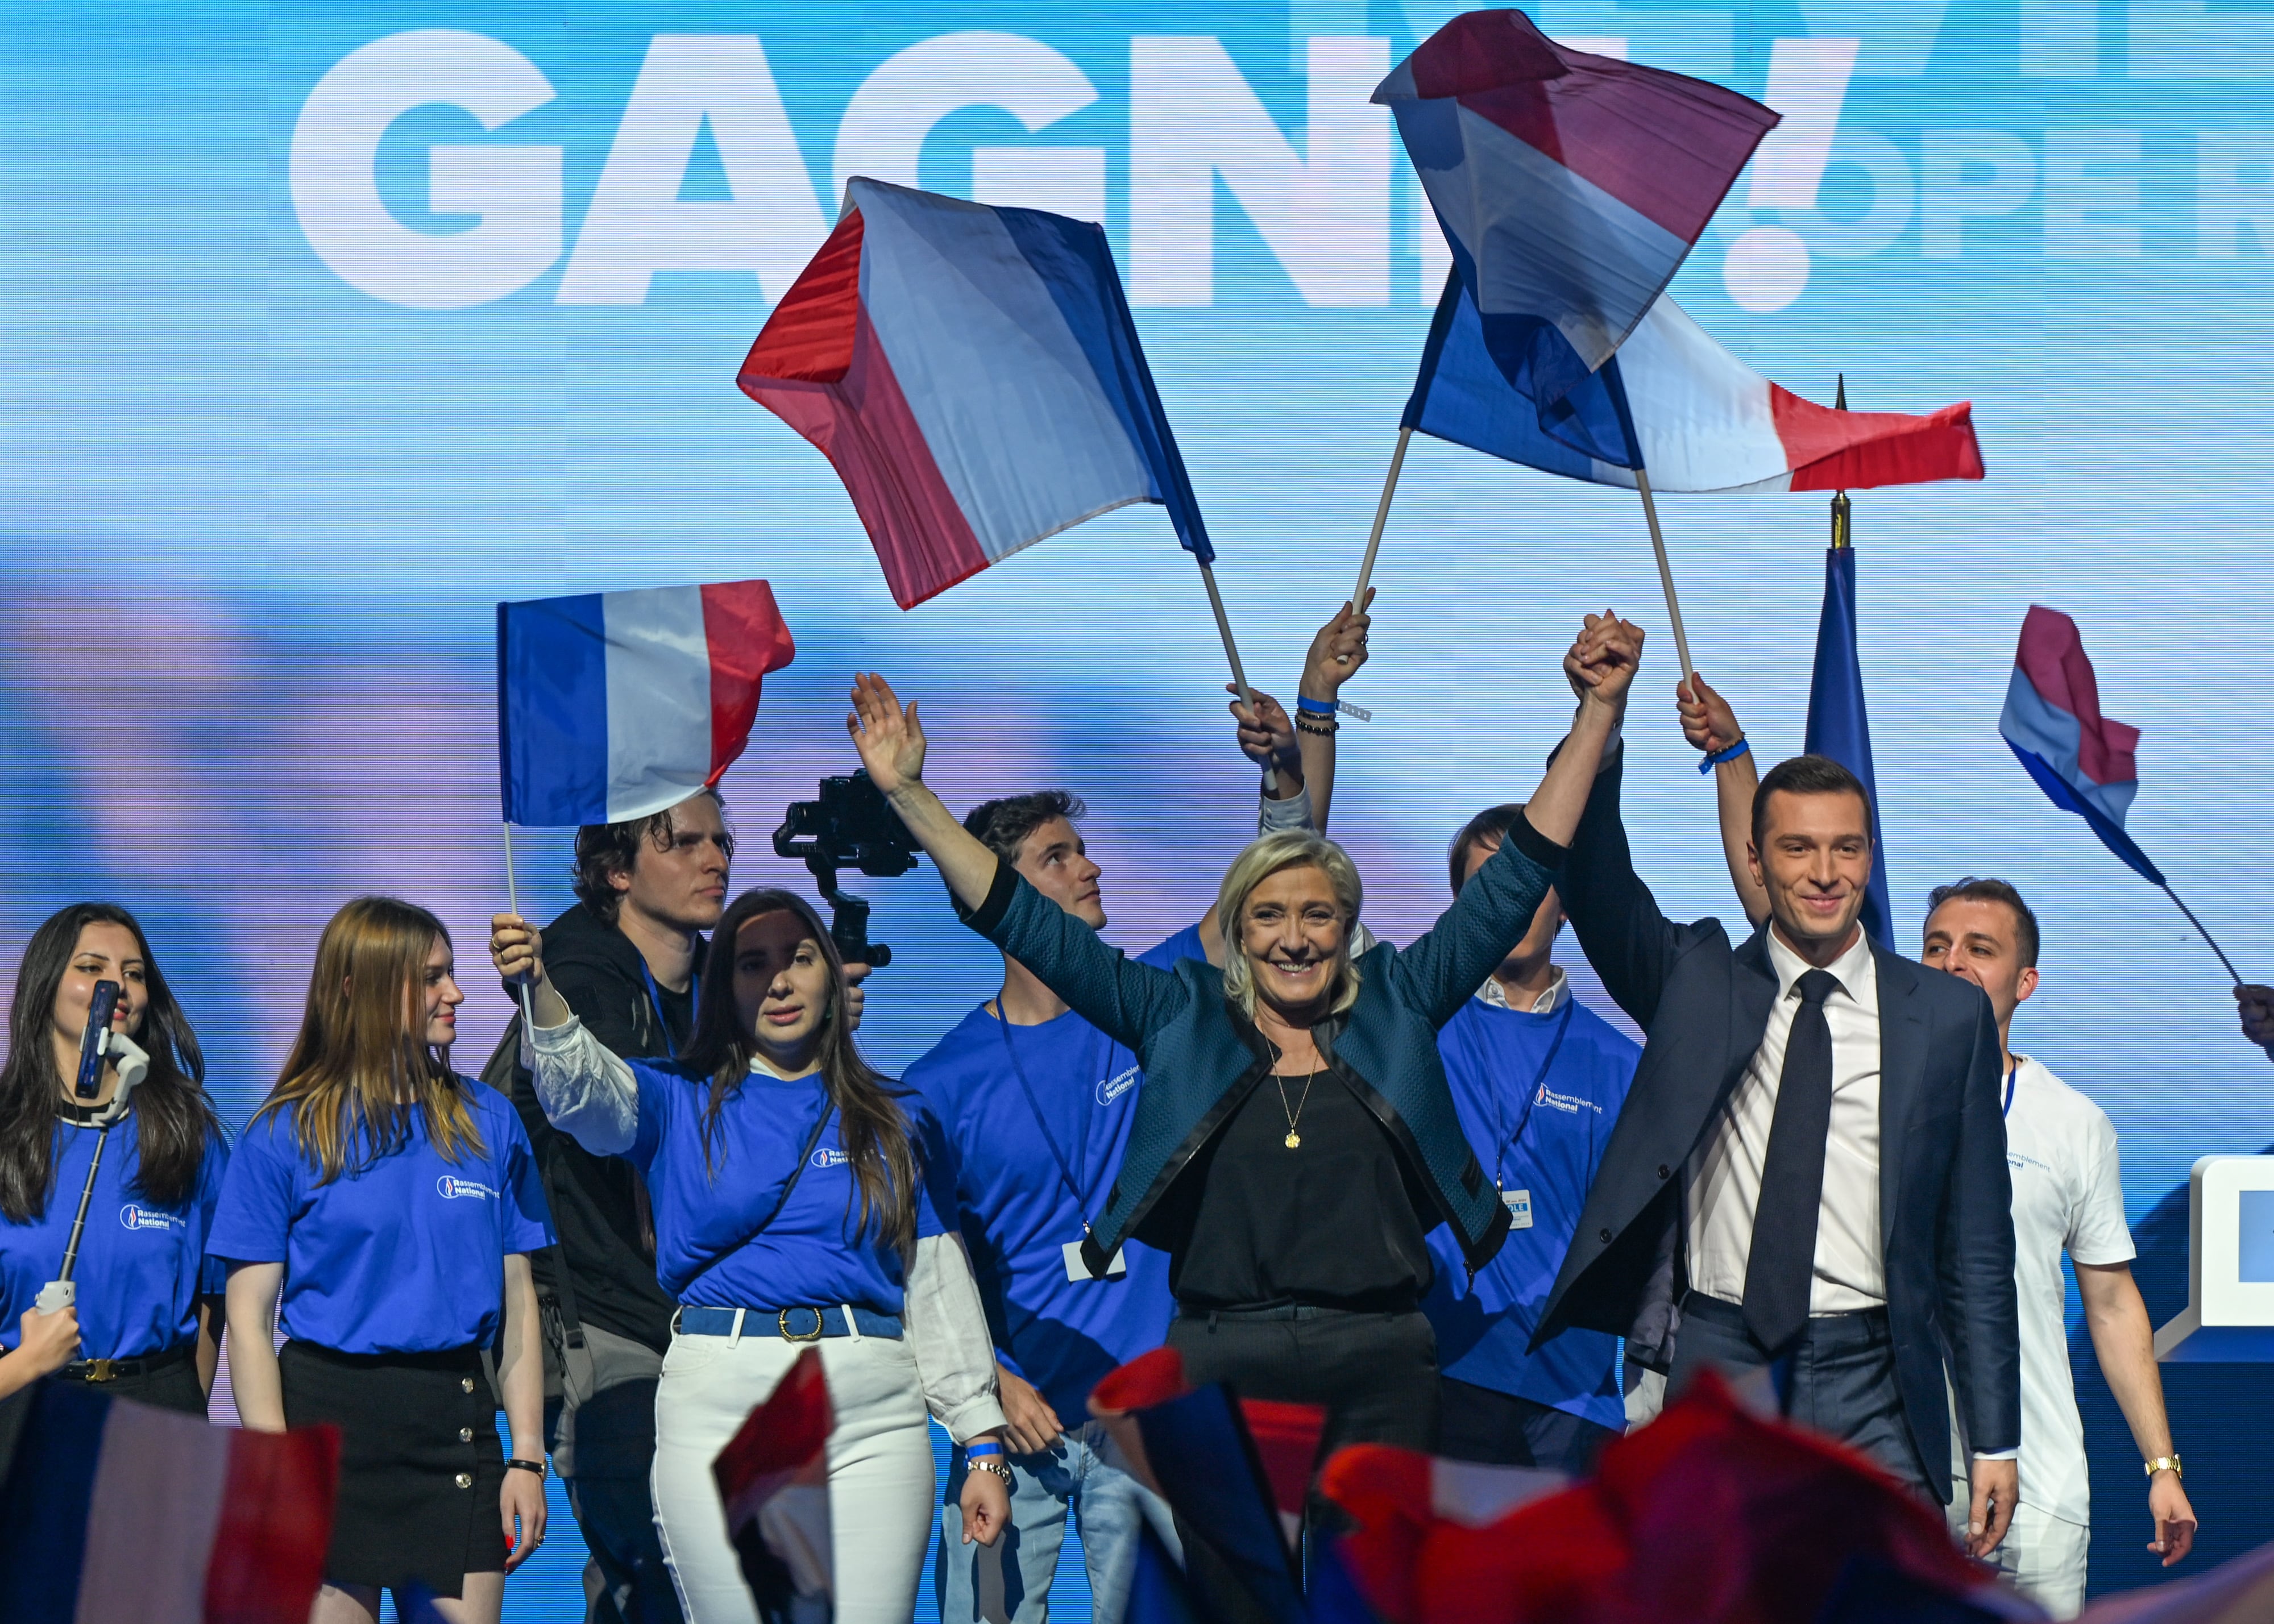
{"type": "Point", "coordinates": [44, 1503]}
{"type": "Point", "coordinates": [553, 711]}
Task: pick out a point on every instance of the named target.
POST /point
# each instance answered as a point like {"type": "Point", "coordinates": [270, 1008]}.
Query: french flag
{"type": "Point", "coordinates": [1673, 401]}
{"type": "Point", "coordinates": [1570, 187]}
{"type": "Point", "coordinates": [615, 705]}
{"type": "Point", "coordinates": [973, 375]}
{"type": "Point", "coordinates": [2082, 760]}
{"type": "Point", "coordinates": [113, 1511]}
{"type": "Point", "coordinates": [773, 1484]}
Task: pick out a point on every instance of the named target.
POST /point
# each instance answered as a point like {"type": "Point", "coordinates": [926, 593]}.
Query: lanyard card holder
{"type": "Point", "coordinates": [1078, 1272]}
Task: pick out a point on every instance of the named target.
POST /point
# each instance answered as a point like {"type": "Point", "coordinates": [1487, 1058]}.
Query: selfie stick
{"type": "Point", "coordinates": [132, 1064]}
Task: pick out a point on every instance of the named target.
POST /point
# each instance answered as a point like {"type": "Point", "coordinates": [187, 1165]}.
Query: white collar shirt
{"type": "Point", "coordinates": [1559, 989]}
{"type": "Point", "coordinates": [1725, 1171]}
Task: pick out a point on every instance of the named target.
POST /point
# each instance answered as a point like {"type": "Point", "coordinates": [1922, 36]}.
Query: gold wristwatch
{"type": "Point", "coordinates": [2165, 1463]}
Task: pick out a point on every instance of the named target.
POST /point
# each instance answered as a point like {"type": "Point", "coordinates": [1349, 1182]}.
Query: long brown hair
{"type": "Point", "coordinates": [362, 1064]}
{"type": "Point", "coordinates": [174, 1118]}
{"type": "Point", "coordinates": [870, 1124]}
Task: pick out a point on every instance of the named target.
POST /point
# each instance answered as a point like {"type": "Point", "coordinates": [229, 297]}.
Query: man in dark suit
{"type": "Point", "coordinates": [1809, 1172]}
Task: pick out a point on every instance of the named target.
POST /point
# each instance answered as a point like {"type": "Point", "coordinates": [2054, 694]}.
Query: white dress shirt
{"type": "Point", "coordinates": [1725, 1171]}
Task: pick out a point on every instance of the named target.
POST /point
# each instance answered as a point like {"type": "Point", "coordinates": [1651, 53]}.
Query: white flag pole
{"type": "Point", "coordinates": [1381, 517]}
{"type": "Point", "coordinates": [1664, 574]}
{"type": "Point", "coordinates": [513, 905]}
{"type": "Point", "coordinates": [1231, 651]}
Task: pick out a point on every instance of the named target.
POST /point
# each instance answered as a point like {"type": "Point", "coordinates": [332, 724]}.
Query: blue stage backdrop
{"type": "Point", "coordinates": [324, 326]}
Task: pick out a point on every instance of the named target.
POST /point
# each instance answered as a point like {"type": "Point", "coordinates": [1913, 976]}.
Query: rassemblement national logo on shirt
{"type": "Point", "coordinates": [1569, 1102]}
{"type": "Point", "coordinates": [1111, 1088]}
{"type": "Point", "coordinates": [134, 1217]}
{"type": "Point", "coordinates": [830, 1158]}
{"type": "Point", "coordinates": [452, 1188]}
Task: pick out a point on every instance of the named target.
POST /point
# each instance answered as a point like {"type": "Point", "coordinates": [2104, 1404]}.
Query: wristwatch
{"type": "Point", "coordinates": [528, 1466]}
{"type": "Point", "coordinates": [994, 1466]}
{"type": "Point", "coordinates": [2165, 1462]}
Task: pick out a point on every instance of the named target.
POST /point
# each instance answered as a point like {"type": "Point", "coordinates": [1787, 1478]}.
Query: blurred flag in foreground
{"type": "Point", "coordinates": [116, 1510]}
{"type": "Point", "coordinates": [1675, 402]}
{"type": "Point", "coordinates": [774, 1481]}
{"type": "Point", "coordinates": [974, 377]}
{"type": "Point", "coordinates": [1838, 726]}
{"type": "Point", "coordinates": [2081, 759]}
{"type": "Point", "coordinates": [1570, 186]}
{"type": "Point", "coordinates": [615, 705]}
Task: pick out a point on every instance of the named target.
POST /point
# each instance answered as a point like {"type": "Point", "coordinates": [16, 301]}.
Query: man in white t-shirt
{"type": "Point", "coordinates": [2061, 1150]}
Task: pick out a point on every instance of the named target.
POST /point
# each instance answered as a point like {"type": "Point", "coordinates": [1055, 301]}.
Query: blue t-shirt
{"type": "Point", "coordinates": [720, 1242]}
{"type": "Point", "coordinates": [1542, 1133]}
{"type": "Point", "coordinates": [1013, 1198]}
{"type": "Point", "coordinates": [141, 1266]}
{"type": "Point", "coordinates": [405, 1254]}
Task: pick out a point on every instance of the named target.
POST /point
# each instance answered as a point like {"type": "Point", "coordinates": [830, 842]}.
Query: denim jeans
{"type": "Point", "coordinates": [1011, 1585]}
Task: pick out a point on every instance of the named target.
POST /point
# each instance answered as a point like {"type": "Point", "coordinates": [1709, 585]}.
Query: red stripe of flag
{"type": "Point", "coordinates": [275, 1526]}
{"type": "Point", "coordinates": [2052, 655]}
{"type": "Point", "coordinates": [747, 638]}
{"type": "Point", "coordinates": [1828, 449]}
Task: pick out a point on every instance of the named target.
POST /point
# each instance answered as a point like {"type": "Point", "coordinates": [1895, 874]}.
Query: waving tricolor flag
{"type": "Point", "coordinates": [773, 1485]}
{"type": "Point", "coordinates": [2081, 759]}
{"type": "Point", "coordinates": [1674, 401]}
{"type": "Point", "coordinates": [615, 705]}
{"type": "Point", "coordinates": [112, 1509]}
{"type": "Point", "coordinates": [1570, 187]}
{"type": "Point", "coordinates": [974, 377]}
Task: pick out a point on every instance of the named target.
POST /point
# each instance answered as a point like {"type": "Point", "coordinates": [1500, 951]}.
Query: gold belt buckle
{"type": "Point", "coordinates": [102, 1370]}
{"type": "Point", "coordinates": [781, 1322]}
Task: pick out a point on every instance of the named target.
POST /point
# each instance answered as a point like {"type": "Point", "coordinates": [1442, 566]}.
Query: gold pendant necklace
{"type": "Point", "coordinates": [1293, 1141]}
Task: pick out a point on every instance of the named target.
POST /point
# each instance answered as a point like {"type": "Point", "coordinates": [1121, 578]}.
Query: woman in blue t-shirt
{"type": "Point", "coordinates": [392, 1204]}
{"type": "Point", "coordinates": [143, 1328]}
{"type": "Point", "coordinates": [799, 1197]}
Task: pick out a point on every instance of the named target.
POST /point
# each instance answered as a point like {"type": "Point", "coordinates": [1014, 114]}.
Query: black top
{"type": "Point", "coordinates": [1336, 1221]}
{"type": "Point", "coordinates": [598, 1205]}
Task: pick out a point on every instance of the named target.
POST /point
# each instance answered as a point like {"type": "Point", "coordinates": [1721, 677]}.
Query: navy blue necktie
{"type": "Point", "coordinates": [1781, 1267]}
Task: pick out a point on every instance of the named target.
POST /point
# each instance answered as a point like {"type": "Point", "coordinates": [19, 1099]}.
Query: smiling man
{"type": "Point", "coordinates": [1809, 1174]}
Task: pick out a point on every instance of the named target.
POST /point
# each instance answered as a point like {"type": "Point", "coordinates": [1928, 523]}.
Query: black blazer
{"type": "Point", "coordinates": [1945, 1211]}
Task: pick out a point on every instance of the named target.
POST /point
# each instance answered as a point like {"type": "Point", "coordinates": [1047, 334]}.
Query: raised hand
{"type": "Point", "coordinates": [2255, 1004]}
{"type": "Point", "coordinates": [1707, 721]}
{"type": "Point", "coordinates": [886, 733]}
{"type": "Point", "coordinates": [517, 949]}
{"type": "Point", "coordinates": [1339, 649]}
{"type": "Point", "coordinates": [1604, 657]}
{"type": "Point", "coordinates": [1267, 736]}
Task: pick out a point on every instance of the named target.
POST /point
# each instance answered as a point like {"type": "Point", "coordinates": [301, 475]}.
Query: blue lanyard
{"type": "Point", "coordinates": [655, 998]}
{"type": "Point", "coordinates": [1076, 1185]}
{"type": "Point", "coordinates": [1531, 1095]}
{"type": "Point", "coordinates": [2012, 1073]}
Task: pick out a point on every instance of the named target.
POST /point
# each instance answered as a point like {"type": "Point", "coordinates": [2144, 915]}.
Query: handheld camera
{"type": "Point", "coordinates": [850, 826]}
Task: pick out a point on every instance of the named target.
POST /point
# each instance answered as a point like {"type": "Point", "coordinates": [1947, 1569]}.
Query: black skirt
{"type": "Point", "coordinates": [420, 1466]}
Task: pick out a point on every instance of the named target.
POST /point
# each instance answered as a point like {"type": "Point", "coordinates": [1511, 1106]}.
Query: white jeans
{"type": "Point", "coordinates": [2043, 1556]}
{"type": "Point", "coordinates": [880, 1471]}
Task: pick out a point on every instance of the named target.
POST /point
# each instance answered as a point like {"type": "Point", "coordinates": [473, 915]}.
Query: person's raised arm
{"type": "Point", "coordinates": [583, 1090]}
{"type": "Point", "coordinates": [1440, 970]}
{"type": "Point", "coordinates": [1127, 1000]}
{"type": "Point", "coordinates": [1711, 726]}
{"type": "Point", "coordinates": [890, 739]}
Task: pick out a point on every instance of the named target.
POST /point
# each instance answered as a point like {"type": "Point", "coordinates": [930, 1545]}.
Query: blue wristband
{"type": "Point", "coordinates": [1719, 756]}
{"type": "Point", "coordinates": [1314, 707]}
{"type": "Point", "coordinates": [981, 1451]}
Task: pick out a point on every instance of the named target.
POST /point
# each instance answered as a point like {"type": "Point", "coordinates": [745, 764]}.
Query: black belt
{"type": "Point", "coordinates": [1301, 1311]}
{"type": "Point", "coordinates": [119, 1370]}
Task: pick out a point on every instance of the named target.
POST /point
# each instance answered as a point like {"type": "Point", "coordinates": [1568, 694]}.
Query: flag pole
{"type": "Point", "coordinates": [1664, 574]}
{"type": "Point", "coordinates": [513, 903]}
{"type": "Point", "coordinates": [1239, 675]}
{"type": "Point", "coordinates": [1380, 516]}
{"type": "Point", "coordinates": [2206, 935]}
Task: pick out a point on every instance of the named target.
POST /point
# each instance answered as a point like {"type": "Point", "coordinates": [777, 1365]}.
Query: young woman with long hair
{"type": "Point", "coordinates": [145, 1327]}
{"type": "Point", "coordinates": [1295, 1138]}
{"type": "Point", "coordinates": [392, 1204]}
{"type": "Point", "coordinates": [799, 1197]}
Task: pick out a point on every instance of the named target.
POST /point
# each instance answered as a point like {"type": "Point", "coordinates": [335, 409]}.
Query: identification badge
{"type": "Point", "coordinates": [1518, 1203]}
{"type": "Point", "coordinates": [1079, 1272]}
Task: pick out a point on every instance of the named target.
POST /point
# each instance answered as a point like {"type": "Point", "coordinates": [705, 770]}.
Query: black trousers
{"type": "Point", "coordinates": [1842, 1379]}
{"type": "Point", "coordinates": [1499, 1428]}
{"type": "Point", "coordinates": [1375, 1373]}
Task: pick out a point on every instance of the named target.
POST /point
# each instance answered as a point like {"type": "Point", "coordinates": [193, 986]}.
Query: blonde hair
{"type": "Point", "coordinates": [362, 1047]}
{"type": "Point", "coordinates": [1274, 853]}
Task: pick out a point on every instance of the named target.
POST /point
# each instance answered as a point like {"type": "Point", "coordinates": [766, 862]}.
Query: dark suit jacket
{"type": "Point", "coordinates": [1946, 1217]}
